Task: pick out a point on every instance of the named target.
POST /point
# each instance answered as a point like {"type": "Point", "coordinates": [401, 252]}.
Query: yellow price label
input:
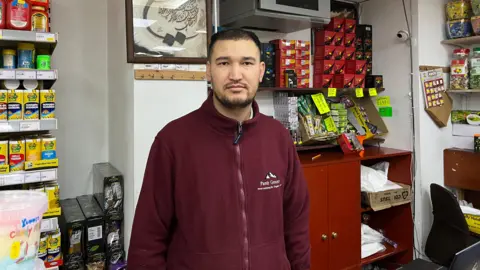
{"type": "Point", "coordinates": [359, 92]}
{"type": "Point", "coordinates": [372, 92]}
{"type": "Point", "coordinates": [332, 92]}
{"type": "Point", "coordinates": [15, 250]}
{"type": "Point", "coordinates": [320, 103]}
{"type": "Point", "coordinates": [383, 101]}
{"type": "Point", "coordinates": [330, 124]}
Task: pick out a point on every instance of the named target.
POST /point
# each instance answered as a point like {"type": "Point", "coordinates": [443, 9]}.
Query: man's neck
{"type": "Point", "coordinates": [239, 114]}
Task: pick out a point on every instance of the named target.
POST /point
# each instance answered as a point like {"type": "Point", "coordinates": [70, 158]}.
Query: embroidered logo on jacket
{"type": "Point", "coordinates": [270, 182]}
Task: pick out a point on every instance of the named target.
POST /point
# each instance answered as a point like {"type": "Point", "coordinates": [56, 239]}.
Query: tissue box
{"type": "Point", "coordinates": [386, 199]}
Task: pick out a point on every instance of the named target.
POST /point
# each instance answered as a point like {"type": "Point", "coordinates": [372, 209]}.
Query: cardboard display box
{"type": "Point", "coordinates": [94, 229]}
{"type": "Point", "coordinates": [386, 199]}
{"type": "Point", "coordinates": [72, 225]}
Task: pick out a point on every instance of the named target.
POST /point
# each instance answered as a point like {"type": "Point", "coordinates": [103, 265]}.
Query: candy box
{"type": "Point", "coordinates": [322, 81]}
{"type": "Point", "coordinates": [302, 73]}
{"type": "Point", "coordinates": [302, 55]}
{"type": "Point", "coordinates": [336, 24]}
{"type": "Point", "coordinates": [359, 81]}
{"type": "Point", "coordinates": [325, 37]}
{"type": "Point", "coordinates": [339, 53]}
{"type": "Point", "coordinates": [339, 38]}
{"type": "Point", "coordinates": [339, 67]}
{"type": "Point", "coordinates": [288, 63]}
{"type": "Point", "coordinates": [374, 81]}
{"type": "Point", "coordinates": [303, 83]}
{"type": "Point", "coordinates": [325, 52]}
{"type": "Point", "coordinates": [356, 67]}
{"type": "Point", "coordinates": [349, 53]}
{"type": "Point", "coordinates": [302, 64]}
{"type": "Point", "coordinates": [359, 55]}
{"type": "Point", "coordinates": [324, 66]}
{"type": "Point", "coordinates": [369, 68]}
{"type": "Point", "coordinates": [302, 45]}
{"type": "Point", "coordinates": [94, 229]}
{"type": "Point", "coordinates": [350, 26]}
{"type": "Point", "coordinates": [368, 57]}
{"type": "Point", "coordinates": [283, 54]}
{"type": "Point", "coordinates": [349, 40]}
{"type": "Point", "coordinates": [343, 81]}
{"type": "Point", "coordinates": [72, 223]}
{"type": "Point", "coordinates": [283, 44]}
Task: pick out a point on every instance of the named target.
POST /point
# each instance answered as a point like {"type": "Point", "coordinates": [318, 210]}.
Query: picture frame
{"type": "Point", "coordinates": [168, 31]}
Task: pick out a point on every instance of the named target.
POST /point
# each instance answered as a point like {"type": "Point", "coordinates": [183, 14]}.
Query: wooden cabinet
{"type": "Point", "coordinates": [334, 228]}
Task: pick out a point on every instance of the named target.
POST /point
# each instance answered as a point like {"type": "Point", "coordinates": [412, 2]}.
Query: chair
{"type": "Point", "coordinates": [449, 233]}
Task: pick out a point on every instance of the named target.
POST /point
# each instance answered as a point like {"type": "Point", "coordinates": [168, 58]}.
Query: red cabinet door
{"type": "Point", "coordinates": [319, 234]}
{"type": "Point", "coordinates": [344, 216]}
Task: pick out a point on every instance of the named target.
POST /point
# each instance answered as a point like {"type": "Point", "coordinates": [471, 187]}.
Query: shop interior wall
{"type": "Point", "coordinates": [120, 107]}
{"type": "Point", "coordinates": [81, 58]}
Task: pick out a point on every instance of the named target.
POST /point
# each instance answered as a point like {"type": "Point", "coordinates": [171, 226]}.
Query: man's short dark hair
{"type": "Point", "coordinates": [233, 34]}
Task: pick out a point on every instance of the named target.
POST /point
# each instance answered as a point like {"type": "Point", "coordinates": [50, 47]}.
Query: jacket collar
{"type": "Point", "coordinates": [224, 124]}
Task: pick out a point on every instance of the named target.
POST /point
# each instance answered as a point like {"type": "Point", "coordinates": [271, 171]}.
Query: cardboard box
{"type": "Point", "coordinates": [374, 81]}
{"type": "Point", "coordinates": [324, 66]}
{"type": "Point", "coordinates": [325, 52]}
{"type": "Point", "coordinates": [343, 81]}
{"type": "Point", "coordinates": [302, 55]}
{"type": "Point", "coordinates": [303, 83]}
{"type": "Point", "coordinates": [288, 63]}
{"type": "Point", "coordinates": [368, 57]}
{"type": "Point", "coordinates": [339, 38]}
{"type": "Point", "coordinates": [356, 67]}
{"type": "Point", "coordinates": [303, 73]}
{"type": "Point", "coordinates": [386, 199]}
{"type": "Point", "coordinates": [369, 68]}
{"type": "Point", "coordinates": [336, 25]}
{"type": "Point", "coordinates": [302, 64]}
{"type": "Point", "coordinates": [302, 45]}
{"type": "Point", "coordinates": [350, 26]}
{"type": "Point", "coordinates": [339, 67]}
{"type": "Point", "coordinates": [349, 53]}
{"type": "Point", "coordinates": [72, 225]}
{"type": "Point", "coordinates": [359, 81]}
{"type": "Point", "coordinates": [325, 38]}
{"type": "Point", "coordinates": [349, 40]}
{"type": "Point", "coordinates": [359, 55]}
{"type": "Point", "coordinates": [283, 44]}
{"type": "Point", "coordinates": [322, 81]}
{"type": "Point", "coordinates": [108, 190]}
{"type": "Point", "coordinates": [284, 54]}
{"type": "Point", "coordinates": [268, 54]}
{"type": "Point", "coordinates": [339, 53]}
{"type": "Point", "coordinates": [94, 229]}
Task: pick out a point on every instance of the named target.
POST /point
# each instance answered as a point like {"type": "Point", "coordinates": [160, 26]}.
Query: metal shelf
{"type": "Point", "coordinates": [41, 40]}
{"type": "Point", "coordinates": [25, 177]}
{"type": "Point", "coordinates": [19, 74]}
{"type": "Point", "coordinates": [28, 125]}
{"type": "Point", "coordinates": [474, 40]}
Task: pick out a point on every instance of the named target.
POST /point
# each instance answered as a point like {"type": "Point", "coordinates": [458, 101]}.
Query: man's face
{"type": "Point", "coordinates": [235, 71]}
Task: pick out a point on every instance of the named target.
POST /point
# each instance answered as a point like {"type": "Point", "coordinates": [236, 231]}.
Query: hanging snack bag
{"type": "Point", "coordinates": [459, 69]}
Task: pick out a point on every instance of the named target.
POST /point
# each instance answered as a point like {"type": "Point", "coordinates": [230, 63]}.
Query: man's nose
{"type": "Point", "coordinates": [235, 72]}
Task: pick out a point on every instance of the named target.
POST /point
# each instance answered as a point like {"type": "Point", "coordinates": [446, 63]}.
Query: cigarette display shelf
{"type": "Point", "coordinates": [367, 92]}
{"type": "Point", "coordinates": [26, 177]}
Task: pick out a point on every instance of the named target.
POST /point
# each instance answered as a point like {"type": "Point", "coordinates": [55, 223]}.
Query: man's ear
{"type": "Point", "coordinates": [209, 71]}
{"type": "Point", "coordinates": [262, 71]}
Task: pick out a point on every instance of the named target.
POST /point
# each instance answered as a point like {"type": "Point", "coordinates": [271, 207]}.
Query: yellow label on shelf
{"type": "Point", "coordinates": [4, 169]}
{"type": "Point", "coordinates": [332, 92]}
{"type": "Point", "coordinates": [41, 164]}
{"type": "Point", "coordinates": [372, 92]}
{"type": "Point", "coordinates": [383, 101]}
{"type": "Point", "coordinates": [359, 92]}
{"type": "Point", "coordinates": [330, 124]}
{"type": "Point", "coordinates": [15, 250]}
{"type": "Point", "coordinates": [53, 212]}
{"type": "Point", "coordinates": [321, 103]}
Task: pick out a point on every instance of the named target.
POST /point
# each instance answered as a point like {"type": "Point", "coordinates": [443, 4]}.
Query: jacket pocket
{"type": "Point", "coordinates": [270, 256]}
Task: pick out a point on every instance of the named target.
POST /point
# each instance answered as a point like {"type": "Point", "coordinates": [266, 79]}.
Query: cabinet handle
{"type": "Point", "coordinates": [334, 235]}
{"type": "Point", "coordinates": [324, 237]}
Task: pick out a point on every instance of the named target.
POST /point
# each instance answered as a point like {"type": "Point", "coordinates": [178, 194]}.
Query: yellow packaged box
{"type": "Point", "coordinates": [49, 147]}
{"type": "Point", "coordinates": [17, 154]}
{"type": "Point", "coordinates": [47, 104]}
{"type": "Point", "coordinates": [32, 148]}
{"type": "Point", "coordinates": [15, 105]}
{"type": "Point", "coordinates": [31, 106]}
{"type": "Point", "coordinates": [3, 105]}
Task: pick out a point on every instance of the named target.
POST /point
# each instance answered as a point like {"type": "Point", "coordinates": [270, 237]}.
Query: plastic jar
{"type": "Point", "coordinates": [475, 69]}
{"type": "Point", "coordinates": [9, 59]}
{"type": "Point", "coordinates": [39, 19]}
{"type": "Point", "coordinates": [43, 62]}
{"type": "Point", "coordinates": [459, 70]}
{"type": "Point", "coordinates": [26, 56]}
{"type": "Point", "coordinates": [19, 15]}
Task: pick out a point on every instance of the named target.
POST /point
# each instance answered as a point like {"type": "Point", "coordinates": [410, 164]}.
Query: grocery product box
{"type": "Point", "coordinates": [302, 45]}
{"type": "Point", "coordinates": [369, 68]}
{"type": "Point", "coordinates": [386, 199]}
{"type": "Point", "coordinates": [303, 83]}
{"type": "Point", "coordinates": [284, 54]}
{"type": "Point", "coordinates": [303, 73]}
{"type": "Point", "coordinates": [336, 25]}
{"type": "Point", "coordinates": [268, 54]}
{"type": "Point", "coordinates": [339, 67]}
{"type": "Point", "coordinates": [356, 67]}
{"type": "Point", "coordinates": [325, 38]}
{"type": "Point", "coordinates": [324, 66]}
{"type": "Point", "coordinates": [349, 40]}
{"type": "Point", "coordinates": [284, 44]}
{"type": "Point", "coordinates": [108, 190]}
{"type": "Point", "coordinates": [349, 53]}
{"type": "Point", "coordinates": [343, 81]}
{"type": "Point", "coordinates": [322, 81]}
{"type": "Point", "coordinates": [339, 53]}
{"type": "Point", "coordinates": [365, 34]}
{"type": "Point", "coordinates": [359, 81]}
{"type": "Point", "coordinates": [368, 57]}
{"type": "Point", "coordinates": [302, 55]}
{"type": "Point", "coordinates": [268, 78]}
{"type": "Point", "coordinates": [288, 63]}
{"type": "Point", "coordinates": [374, 81]}
{"type": "Point", "coordinates": [302, 64]}
{"type": "Point", "coordinates": [72, 224]}
{"type": "Point", "coordinates": [325, 52]}
{"type": "Point", "coordinates": [339, 39]}
{"type": "Point", "coordinates": [94, 230]}
{"type": "Point", "coordinates": [359, 55]}
{"type": "Point", "coordinates": [350, 26]}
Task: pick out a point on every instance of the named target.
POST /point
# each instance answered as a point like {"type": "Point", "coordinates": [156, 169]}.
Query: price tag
{"type": "Point", "coordinates": [359, 92]}
{"type": "Point", "coordinates": [32, 177]}
{"type": "Point", "coordinates": [45, 37]}
{"type": "Point", "coordinates": [330, 124]}
{"type": "Point", "coordinates": [29, 125]}
{"type": "Point", "coordinates": [49, 224]}
{"type": "Point", "coordinates": [14, 179]}
{"type": "Point", "coordinates": [7, 74]}
{"type": "Point", "coordinates": [48, 175]}
{"type": "Point", "coordinates": [383, 101]}
{"type": "Point", "coordinates": [385, 111]}
{"type": "Point", "coordinates": [372, 92]}
{"type": "Point", "coordinates": [332, 92]}
{"type": "Point", "coordinates": [46, 75]}
{"type": "Point", "coordinates": [321, 103]}
{"type": "Point", "coordinates": [4, 127]}
{"type": "Point", "coordinates": [25, 75]}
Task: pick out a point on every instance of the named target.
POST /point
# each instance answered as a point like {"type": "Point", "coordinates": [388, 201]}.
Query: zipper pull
{"type": "Point", "coordinates": [239, 134]}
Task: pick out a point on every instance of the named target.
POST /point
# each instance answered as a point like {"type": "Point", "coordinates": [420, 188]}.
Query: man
{"type": "Point", "coordinates": [223, 187]}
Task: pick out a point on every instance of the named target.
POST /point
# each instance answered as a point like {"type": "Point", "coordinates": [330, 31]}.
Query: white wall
{"type": "Point", "coordinates": [120, 107]}
{"type": "Point", "coordinates": [81, 58]}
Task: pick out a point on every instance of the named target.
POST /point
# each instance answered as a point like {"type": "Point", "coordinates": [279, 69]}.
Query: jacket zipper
{"type": "Point", "coordinates": [243, 203]}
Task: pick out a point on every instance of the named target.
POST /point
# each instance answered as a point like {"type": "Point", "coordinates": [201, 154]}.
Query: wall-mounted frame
{"type": "Point", "coordinates": [168, 31]}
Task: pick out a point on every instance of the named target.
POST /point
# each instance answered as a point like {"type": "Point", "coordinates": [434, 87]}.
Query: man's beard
{"type": "Point", "coordinates": [233, 104]}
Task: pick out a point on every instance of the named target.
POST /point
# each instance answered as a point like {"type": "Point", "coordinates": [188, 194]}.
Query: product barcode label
{"type": "Point", "coordinates": [46, 75]}
{"type": "Point", "coordinates": [49, 224]}
{"type": "Point", "coordinates": [94, 233]}
{"type": "Point", "coordinates": [45, 37]}
{"type": "Point", "coordinates": [48, 175]}
{"type": "Point", "coordinates": [6, 74]}
{"type": "Point", "coordinates": [29, 125]}
{"type": "Point", "coordinates": [32, 177]}
{"type": "Point", "coordinates": [4, 127]}
{"type": "Point", "coordinates": [25, 75]}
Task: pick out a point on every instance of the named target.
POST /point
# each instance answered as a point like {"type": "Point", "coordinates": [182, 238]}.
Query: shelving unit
{"type": "Point", "coordinates": [28, 125]}
{"type": "Point", "coordinates": [467, 91]}
{"type": "Point", "coordinates": [467, 41]}
{"type": "Point", "coordinates": [389, 252]}
{"type": "Point", "coordinates": [339, 91]}
{"type": "Point", "coordinates": [26, 177]}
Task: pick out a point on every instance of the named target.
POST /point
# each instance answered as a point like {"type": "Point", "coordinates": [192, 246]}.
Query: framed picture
{"type": "Point", "coordinates": [168, 31]}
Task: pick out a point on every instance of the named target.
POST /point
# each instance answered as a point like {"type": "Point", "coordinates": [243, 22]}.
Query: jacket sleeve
{"type": "Point", "coordinates": [296, 215]}
{"type": "Point", "coordinates": [154, 212]}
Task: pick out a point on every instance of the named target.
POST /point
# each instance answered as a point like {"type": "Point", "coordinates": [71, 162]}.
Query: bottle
{"type": "Point", "coordinates": [19, 15]}
{"type": "Point", "coordinates": [39, 19]}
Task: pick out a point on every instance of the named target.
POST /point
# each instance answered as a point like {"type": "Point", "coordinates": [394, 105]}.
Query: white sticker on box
{"type": "Point", "coordinates": [46, 75]}
{"type": "Point", "coordinates": [6, 74]}
{"type": "Point", "coordinates": [30, 125]}
{"type": "Point", "coordinates": [94, 233]}
{"type": "Point", "coordinates": [26, 75]}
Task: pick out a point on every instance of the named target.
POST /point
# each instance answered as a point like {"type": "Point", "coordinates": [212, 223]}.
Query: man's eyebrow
{"type": "Point", "coordinates": [222, 58]}
{"type": "Point", "coordinates": [245, 58]}
{"type": "Point", "coordinates": [249, 58]}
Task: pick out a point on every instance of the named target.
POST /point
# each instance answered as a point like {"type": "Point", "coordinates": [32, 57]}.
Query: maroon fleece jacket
{"type": "Point", "coordinates": [220, 195]}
